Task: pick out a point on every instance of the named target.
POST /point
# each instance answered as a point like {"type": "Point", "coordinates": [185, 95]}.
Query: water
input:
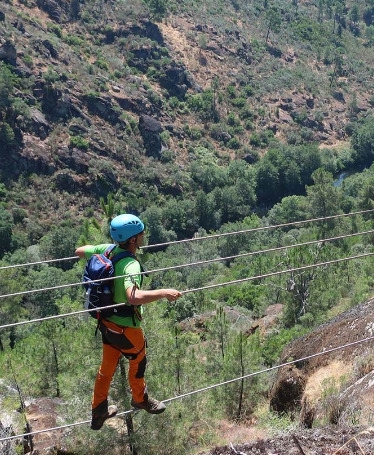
{"type": "Point", "coordinates": [340, 179]}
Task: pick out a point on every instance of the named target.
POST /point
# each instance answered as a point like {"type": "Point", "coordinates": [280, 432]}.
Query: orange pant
{"type": "Point", "coordinates": [135, 352]}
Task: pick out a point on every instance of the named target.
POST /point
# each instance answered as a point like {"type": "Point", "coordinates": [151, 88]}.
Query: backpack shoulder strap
{"type": "Point", "coordinates": [109, 250]}
{"type": "Point", "coordinates": [126, 254]}
{"type": "Point", "coordinates": [123, 254]}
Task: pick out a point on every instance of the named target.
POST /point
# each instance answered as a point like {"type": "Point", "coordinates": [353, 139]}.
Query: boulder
{"type": "Point", "coordinates": [302, 386]}
{"type": "Point", "coordinates": [8, 52]}
{"type": "Point", "coordinates": [150, 130]}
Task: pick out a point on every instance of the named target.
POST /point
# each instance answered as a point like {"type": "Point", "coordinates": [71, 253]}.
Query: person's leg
{"type": "Point", "coordinates": [100, 409]}
{"type": "Point", "coordinates": [137, 365]}
{"type": "Point", "coordinates": [104, 376]}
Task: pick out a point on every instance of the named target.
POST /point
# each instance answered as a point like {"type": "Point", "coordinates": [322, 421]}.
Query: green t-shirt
{"type": "Point", "coordinates": [127, 266]}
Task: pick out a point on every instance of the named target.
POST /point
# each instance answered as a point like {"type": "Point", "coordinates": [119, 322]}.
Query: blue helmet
{"type": "Point", "coordinates": [123, 227]}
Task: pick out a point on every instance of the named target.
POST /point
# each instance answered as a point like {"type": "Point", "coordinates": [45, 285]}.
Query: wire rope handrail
{"type": "Point", "coordinates": [206, 388]}
{"type": "Point", "coordinates": [206, 237]}
{"type": "Point", "coordinates": [190, 264]}
{"type": "Point", "coordinates": [211, 286]}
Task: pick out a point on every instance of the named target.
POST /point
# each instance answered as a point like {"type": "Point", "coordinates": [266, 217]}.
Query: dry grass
{"type": "Point", "coordinates": [316, 384]}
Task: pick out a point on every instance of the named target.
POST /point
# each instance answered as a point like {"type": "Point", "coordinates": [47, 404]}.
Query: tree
{"type": "Point", "coordinates": [7, 81]}
{"type": "Point", "coordinates": [7, 139]}
{"type": "Point", "coordinates": [108, 206]}
{"type": "Point", "coordinates": [369, 35]}
{"type": "Point", "coordinates": [362, 142]}
{"type": "Point", "coordinates": [59, 243]}
{"type": "Point", "coordinates": [205, 211]}
{"type": "Point", "coordinates": [6, 225]}
{"type": "Point", "coordinates": [158, 8]}
{"type": "Point", "coordinates": [267, 182]}
{"type": "Point", "coordinates": [354, 13]}
{"type": "Point", "coordinates": [155, 230]}
{"type": "Point", "coordinates": [274, 21]}
{"type": "Point", "coordinates": [324, 199]}
{"type": "Point", "coordinates": [291, 208]}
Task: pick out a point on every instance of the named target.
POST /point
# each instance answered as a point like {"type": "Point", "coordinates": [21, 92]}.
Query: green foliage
{"type": "Point", "coordinates": [102, 64]}
{"type": "Point", "coordinates": [331, 403]}
{"type": "Point", "coordinates": [273, 344]}
{"type": "Point", "coordinates": [158, 8]}
{"type": "Point", "coordinates": [363, 140]}
{"type": "Point", "coordinates": [195, 187]}
{"type": "Point", "coordinates": [7, 138]}
{"type": "Point", "coordinates": [79, 142]}
{"type": "Point", "coordinates": [285, 171]}
{"type": "Point", "coordinates": [309, 30]}
{"type": "Point", "coordinates": [7, 83]}
{"type": "Point", "coordinates": [6, 225]}
{"type": "Point", "coordinates": [203, 104]}
{"type": "Point", "coordinates": [51, 76]}
{"type": "Point", "coordinates": [73, 40]}
{"type": "Point", "coordinates": [59, 243]}
{"type": "Point", "coordinates": [55, 28]}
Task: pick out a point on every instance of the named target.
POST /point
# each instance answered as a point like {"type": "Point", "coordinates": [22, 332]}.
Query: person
{"type": "Point", "coordinates": [122, 333]}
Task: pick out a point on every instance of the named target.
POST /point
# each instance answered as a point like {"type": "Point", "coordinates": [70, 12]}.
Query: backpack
{"type": "Point", "coordinates": [100, 294]}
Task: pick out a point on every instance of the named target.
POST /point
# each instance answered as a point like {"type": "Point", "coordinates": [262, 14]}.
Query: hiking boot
{"type": "Point", "coordinates": [150, 405]}
{"type": "Point", "coordinates": [101, 413]}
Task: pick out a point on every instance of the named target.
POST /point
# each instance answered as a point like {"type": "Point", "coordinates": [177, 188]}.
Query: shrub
{"type": "Point", "coordinates": [239, 102]}
{"type": "Point", "coordinates": [102, 64]}
{"type": "Point", "coordinates": [56, 29]}
{"type": "Point", "coordinates": [232, 120]}
{"type": "Point", "coordinates": [73, 40]}
{"type": "Point", "coordinates": [79, 142]}
{"type": "Point", "coordinates": [234, 143]}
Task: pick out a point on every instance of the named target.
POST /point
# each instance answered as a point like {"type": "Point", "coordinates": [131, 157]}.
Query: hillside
{"type": "Point", "coordinates": [110, 101]}
{"type": "Point", "coordinates": [334, 391]}
{"type": "Point", "coordinates": [209, 117]}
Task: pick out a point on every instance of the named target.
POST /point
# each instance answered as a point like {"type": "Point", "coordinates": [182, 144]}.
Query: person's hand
{"type": "Point", "coordinates": [172, 294]}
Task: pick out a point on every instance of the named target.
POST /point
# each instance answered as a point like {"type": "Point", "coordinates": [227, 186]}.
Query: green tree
{"type": "Point", "coordinates": [274, 21]}
{"type": "Point", "coordinates": [6, 226]}
{"type": "Point", "coordinates": [267, 182]}
{"type": "Point", "coordinates": [7, 83]}
{"type": "Point", "coordinates": [369, 35]}
{"type": "Point", "coordinates": [362, 142]}
{"type": "Point", "coordinates": [291, 208]}
{"type": "Point", "coordinates": [7, 139]}
{"type": "Point", "coordinates": [354, 13]}
{"type": "Point", "coordinates": [323, 199]}
{"type": "Point", "coordinates": [158, 8]}
{"type": "Point", "coordinates": [155, 229]}
{"type": "Point", "coordinates": [205, 211]}
{"type": "Point", "coordinates": [59, 243]}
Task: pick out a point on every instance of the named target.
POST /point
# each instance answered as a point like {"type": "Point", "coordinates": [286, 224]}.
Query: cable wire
{"type": "Point", "coordinates": [190, 264]}
{"type": "Point", "coordinates": [262, 228]}
{"type": "Point", "coordinates": [28, 264]}
{"type": "Point", "coordinates": [205, 389]}
{"type": "Point", "coordinates": [206, 237]}
{"type": "Point", "coordinates": [211, 286]}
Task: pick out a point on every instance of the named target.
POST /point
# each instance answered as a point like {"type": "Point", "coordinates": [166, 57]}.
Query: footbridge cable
{"type": "Point", "coordinates": [191, 264]}
{"type": "Point", "coordinates": [207, 388]}
{"type": "Point", "coordinates": [205, 237]}
{"type": "Point", "coordinates": [211, 286]}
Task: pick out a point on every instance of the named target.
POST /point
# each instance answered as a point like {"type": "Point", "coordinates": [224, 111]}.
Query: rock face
{"type": "Point", "coordinates": [150, 130]}
{"type": "Point", "coordinates": [307, 386]}
{"type": "Point", "coordinates": [8, 53]}
{"type": "Point", "coordinates": [330, 440]}
{"type": "Point", "coordinates": [57, 10]}
{"type": "Point", "coordinates": [41, 414]}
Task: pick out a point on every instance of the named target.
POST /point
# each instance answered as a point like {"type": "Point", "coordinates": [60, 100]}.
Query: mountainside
{"type": "Point", "coordinates": [202, 117]}
{"type": "Point", "coordinates": [110, 101]}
